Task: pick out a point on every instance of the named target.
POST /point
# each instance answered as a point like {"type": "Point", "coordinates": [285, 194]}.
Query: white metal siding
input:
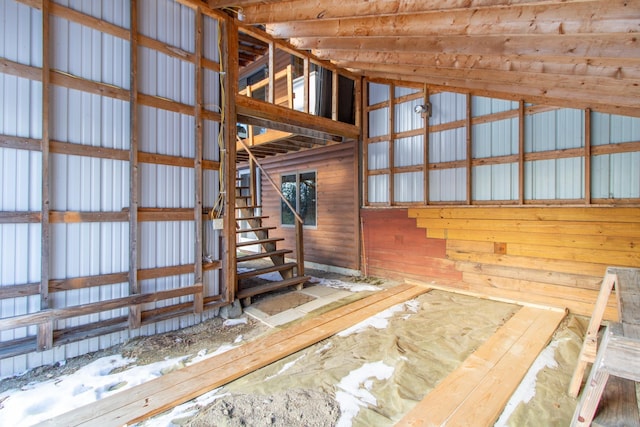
{"type": "Point", "coordinates": [79, 183]}
{"type": "Point", "coordinates": [378, 93]}
{"type": "Point", "coordinates": [615, 175]}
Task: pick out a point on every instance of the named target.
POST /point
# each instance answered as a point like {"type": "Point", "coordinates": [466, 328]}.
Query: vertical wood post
{"type": "Point", "coordinates": [45, 330]}
{"type": "Point", "coordinates": [587, 156]}
{"type": "Point", "coordinates": [469, 150]}
{"type": "Point", "coordinates": [521, 152]}
{"type": "Point", "coordinates": [335, 78]}
{"type": "Point", "coordinates": [198, 297]}
{"type": "Point", "coordinates": [271, 93]}
{"type": "Point", "coordinates": [392, 134]}
{"type": "Point", "coordinates": [426, 146]}
{"type": "Point", "coordinates": [299, 248]}
{"type": "Point", "coordinates": [229, 64]}
{"type": "Point", "coordinates": [365, 143]}
{"type": "Point", "coordinates": [135, 312]}
{"type": "Point", "coordinates": [306, 84]}
{"type": "Point", "coordinates": [290, 86]}
{"type": "Point", "coordinates": [253, 182]}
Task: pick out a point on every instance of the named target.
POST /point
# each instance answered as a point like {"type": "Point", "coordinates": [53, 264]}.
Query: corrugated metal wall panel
{"type": "Point", "coordinates": [448, 145]}
{"type": "Point", "coordinates": [403, 91]}
{"type": "Point", "coordinates": [167, 21]}
{"type": "Point", "coordinates": [447, 107]}
{"type": "Point", "coordinates": [80, 50]}
{"type": "Point", "coordinates": [615, 175]}
{"type": "Point", "coordinates": [495, 182]}
{"type": "Point", "coordinates": [378, 155]}
{"type": "Point", "coordinates": [448, 185]}
{"type": "Point", "coordinates": [408, 151]}
{"type": "Point", "coordinates": [211, 41]}
{"type": "Point", "coordinates": [21, 33]}
{"type": "Point", "coordinates": [165, 76]}
{"type": "Point", "coordinates": [21, 107]}
{"type": "Point", "coordinates": [405, 118]}
{"type": "Point", "coordinates": [378, 93]}
{"type": "Point", "coordinates": [408, 187]}
{"type": "Point", "coordinates": [378, 188]}
{"type": "Point", "coordinates": [94, 184]}
{"type": "Point", "coordinates": [379, 122]}
{"type": "Point", "coordinates": [481, 106]}
{"type": "Point", "coordinates": [499, 138]}
{"type": "Point", "coordinates": [20, 170]}
{"type": "Point", "coordinates": [555, 178]}
{"type": "Point", "coordinates": [115, 11]}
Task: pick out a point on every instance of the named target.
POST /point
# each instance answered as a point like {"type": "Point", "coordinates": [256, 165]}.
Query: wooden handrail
{"type": "Point", "coordinates": [299, 220]}
{"type": "Point", "coordinates": [246, 147]}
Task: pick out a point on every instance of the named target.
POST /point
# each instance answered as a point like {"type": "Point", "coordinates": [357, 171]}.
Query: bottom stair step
{"type": "Point", "coordinates": [268, 287]}
{"type": "Point", "coordinates": [270, 269]}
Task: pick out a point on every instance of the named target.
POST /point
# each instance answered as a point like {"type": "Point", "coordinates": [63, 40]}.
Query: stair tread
{"type": "Point", "coordinates": [259, 255]}
{"type": "Point", "coordinates": [249, 207]}
{"type": "Point", "coordinates": [260, 242]}
{"type": "Point", "coordinates": [264, 270]}
{"type": "Point", "coordinates": [272, 286]}
{"type": "Point", "coordinates": [247, 218]}
{"type": "Point", "coordinates": [249, 230]}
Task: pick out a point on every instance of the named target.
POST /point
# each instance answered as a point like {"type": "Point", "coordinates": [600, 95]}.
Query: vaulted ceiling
{"type": "Point", "coordinates": [582, 53]}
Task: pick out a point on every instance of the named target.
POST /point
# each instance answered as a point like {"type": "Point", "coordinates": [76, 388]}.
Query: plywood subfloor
{"type": "Point", "coordinates": [158, 395]}
{"type": "Point", "coordinates": [476, 392]}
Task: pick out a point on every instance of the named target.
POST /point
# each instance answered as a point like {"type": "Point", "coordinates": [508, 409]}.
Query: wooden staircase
{"type": "Point", "coordinates": [249, 223]}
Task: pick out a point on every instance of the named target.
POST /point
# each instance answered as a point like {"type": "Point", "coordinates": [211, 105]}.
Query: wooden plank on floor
{"type": "Point", "coordinates": [180, 386]}
{"type": "Point", "coordinates": [478, 390]}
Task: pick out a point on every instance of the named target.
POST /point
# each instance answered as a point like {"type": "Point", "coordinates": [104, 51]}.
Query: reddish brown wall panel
{"type": "Point", "coordinates": [394, 247]}
{"type": "Point", "coordinates": [335, 239]}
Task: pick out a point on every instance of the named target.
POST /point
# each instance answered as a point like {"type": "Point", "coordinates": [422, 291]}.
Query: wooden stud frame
{"type": "Point", "coordinates": [587, 152]}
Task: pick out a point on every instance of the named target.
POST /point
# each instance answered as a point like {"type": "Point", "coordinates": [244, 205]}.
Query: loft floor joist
{"type": "Point", "coordinates": [180, 386]}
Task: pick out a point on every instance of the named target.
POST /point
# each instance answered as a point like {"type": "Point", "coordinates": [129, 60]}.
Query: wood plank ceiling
{"type": "Point", "coordinates": [579, 53]}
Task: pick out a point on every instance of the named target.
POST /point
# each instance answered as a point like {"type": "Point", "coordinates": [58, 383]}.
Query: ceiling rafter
{"type": "Point", "coordinates": [613, 45]}
{"type": "Point", "coordinates": [617, 16]}
{"type": "Point", "coordinates": [592, 66]}
{"type": "Point", "coordinates": [310, 10]}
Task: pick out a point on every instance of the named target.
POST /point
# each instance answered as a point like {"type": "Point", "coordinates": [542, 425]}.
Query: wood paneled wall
{"type": "Point", "coordinates": [552, 255]}
{"type": "Point", "coordinates": [335, 239]}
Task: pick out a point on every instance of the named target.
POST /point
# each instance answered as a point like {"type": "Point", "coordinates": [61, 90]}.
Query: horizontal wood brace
{"type": "Point", "coordinates": [50, 315]}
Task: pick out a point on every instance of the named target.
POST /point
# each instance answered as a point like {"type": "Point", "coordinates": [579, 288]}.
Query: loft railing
{"type": "Point", "coordinates": [299, 221]}
{"type": "Point", "coordinates": [264, 83]}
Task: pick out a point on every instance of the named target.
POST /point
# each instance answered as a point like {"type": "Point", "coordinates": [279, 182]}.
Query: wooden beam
{"type": "Point", "coordinates": [69, 217]}
{"type": "Point", "coordinates": [295, 121]}
{"type": "Point", "coordinates": [559, 19]}
{"type": "Point", "coordinates": [19, 217]}
{"type": "Point", "coordinates": [198, 301]}
{"type": "Point", "coordinates": [87, 281]}
{"type": "Point", "coordinates": [51, 314]}
{"type": "Point", "coordinates": [554, 65]}
{"type": "Point", "coordinates": [135, 311]}
{"type": "Point", "coordinates": [230, 82]}
{"type": "Point", "coordinates": [45, 329]}
{"type": "Point", "coordinates": [19, 143]}
{"type": "Point", "coordinates": [323, 10]}
{"type": "Point", "coordinates": [607, 45]}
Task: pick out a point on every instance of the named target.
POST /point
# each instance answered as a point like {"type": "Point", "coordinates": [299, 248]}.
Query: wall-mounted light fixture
{"type": "Point", "coordinates": [423, 109]}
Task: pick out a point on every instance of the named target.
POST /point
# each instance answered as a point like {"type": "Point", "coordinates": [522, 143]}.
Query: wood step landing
{"type": "Point", "coordinates": [477, 392]}
{"type": "Point", "coordinates": [270, 269]}
{"type": "Point", "coordinates": [272, 286]}
{"type": "Point", "coordinates": [163, 393]}
{"type": "Point", "coordinates": [260, 255]}
{"type": "Point", "coordinates": [249, 218]}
